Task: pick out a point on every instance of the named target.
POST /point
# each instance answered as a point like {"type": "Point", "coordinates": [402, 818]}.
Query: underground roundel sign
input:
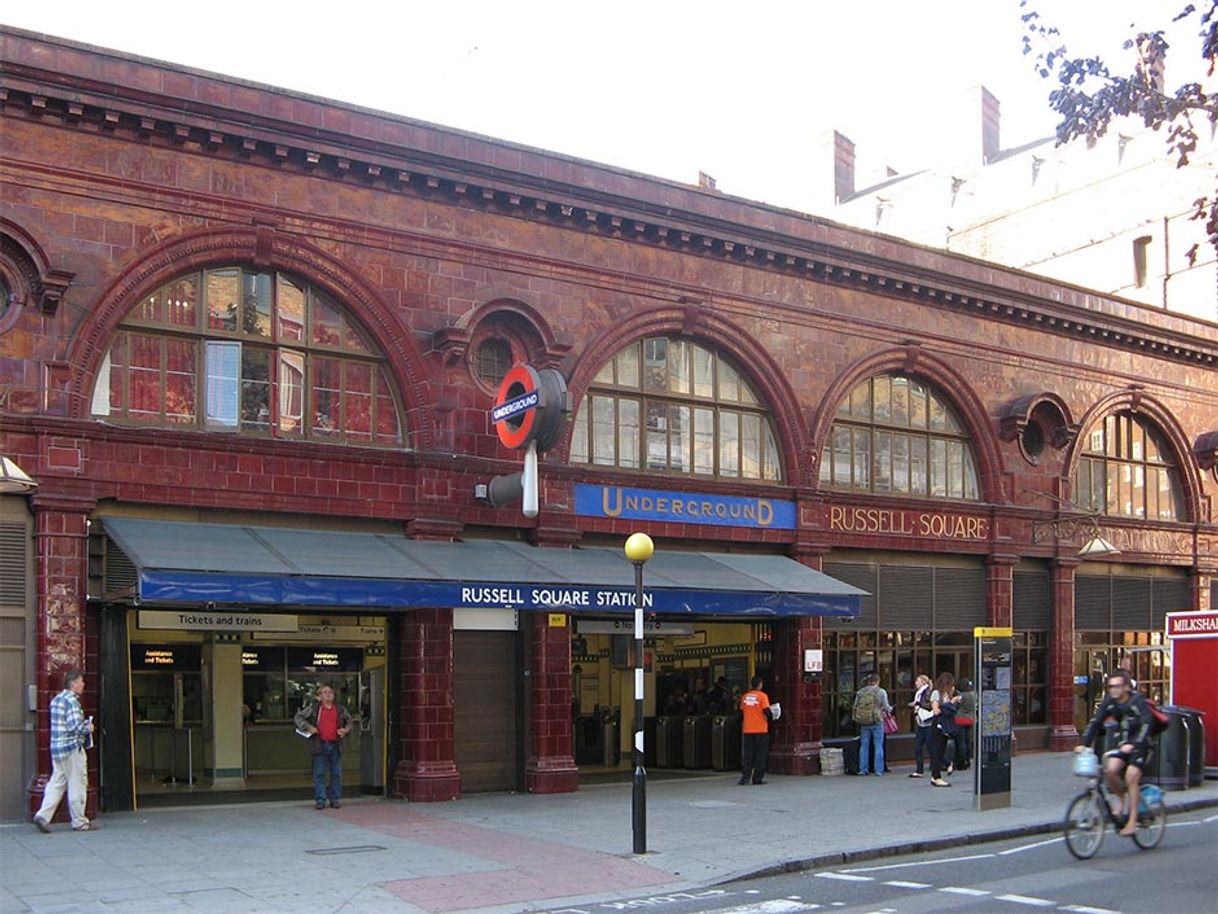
{"type": "Point", "coordinates": [531, 406]}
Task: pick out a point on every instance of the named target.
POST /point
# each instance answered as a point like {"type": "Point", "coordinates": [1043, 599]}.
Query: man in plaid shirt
{"type": "Point", "coordinates": [69, 768]}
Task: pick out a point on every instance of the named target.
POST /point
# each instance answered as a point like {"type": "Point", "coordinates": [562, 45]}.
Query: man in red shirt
{"type": "Point", "coordinates": [326, 723]}
{"type": "Point", "coordinates": [755, 745]}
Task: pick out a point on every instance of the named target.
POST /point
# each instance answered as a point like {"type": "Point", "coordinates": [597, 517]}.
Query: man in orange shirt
{"type": "Point", "coordinates": [755, 746]}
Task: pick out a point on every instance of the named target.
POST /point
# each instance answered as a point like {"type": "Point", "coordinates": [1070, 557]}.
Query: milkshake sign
{"type": "Point", "coordinates": [896, 522]}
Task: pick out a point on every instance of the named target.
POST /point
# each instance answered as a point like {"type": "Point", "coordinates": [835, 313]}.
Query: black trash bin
{"type": "Point", "coordinates": [1196, 742]}
{"type": "Point", "coordinates": [696, 741]}
{"type": "Point", "coordinates": [850, 751]}
{"type": "Point", "coordinates": [611, 731]}
{"type": "Point", "coordinates": [1169, 765]}
{"type": "Point", "coordinates": [725, 742]}
{"type": "Point", "coordinates": [669, 752]}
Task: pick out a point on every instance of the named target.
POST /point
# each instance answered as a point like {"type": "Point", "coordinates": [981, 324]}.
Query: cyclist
{"type": "Point", "coordinates": [1124, 766]}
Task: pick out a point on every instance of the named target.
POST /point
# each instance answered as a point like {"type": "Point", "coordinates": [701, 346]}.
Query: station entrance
{"type": "Point", "coordinates": [694, 674]}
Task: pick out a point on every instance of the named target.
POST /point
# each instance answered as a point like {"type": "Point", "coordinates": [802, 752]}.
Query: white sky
{"type": "Point", "coordinates": [741, 91]}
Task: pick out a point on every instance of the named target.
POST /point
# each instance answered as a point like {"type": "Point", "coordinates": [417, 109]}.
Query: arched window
{"type": "Point", "coordinates": [895, 435]}
{"type": "Point", "coordinates": [670, 405]}
{"type": "Point", "coordinates": [1127, 470]}
{"type": "Point", "coordinates": [252, 352]}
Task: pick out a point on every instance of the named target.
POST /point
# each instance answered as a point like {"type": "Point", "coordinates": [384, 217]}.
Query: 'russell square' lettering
{"type": "Point", "coordinates": [908, 523]}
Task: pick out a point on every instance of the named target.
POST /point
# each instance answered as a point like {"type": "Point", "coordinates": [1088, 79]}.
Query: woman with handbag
{"type": "Point", "coordinates": [923, 717]}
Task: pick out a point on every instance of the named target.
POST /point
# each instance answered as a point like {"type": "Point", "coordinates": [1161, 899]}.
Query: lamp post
{"type": "Point", "coordinates": [639, 549]}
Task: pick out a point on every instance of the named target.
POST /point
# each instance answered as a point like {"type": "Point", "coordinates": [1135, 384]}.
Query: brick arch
{"type": "Point", "coordinates": [752, 359]}
{"type": "Point", "coordinates": [1144, 406]}
{"type": "Point", "coordinates": [262, 249]}
{"type": "Point", "coordinates": [912, 362]}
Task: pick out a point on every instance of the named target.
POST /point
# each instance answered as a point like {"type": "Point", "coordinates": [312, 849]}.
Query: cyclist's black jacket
{"type": "Point", "coordinates": [1134, 720]}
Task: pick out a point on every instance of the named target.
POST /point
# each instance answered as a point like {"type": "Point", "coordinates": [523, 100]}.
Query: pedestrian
{"type": "Point", "coordinates": [327, 725]}
{"type": "Point", "coordinates": [755, 729]}
{"type": "Point", "coordinates": [870, 706]}
{"type": "Point", "coordinates": [923, 717]}
{"type": "Point", "coordinates": [944, 711]}
{"type": "Point", "coordinates": [71, 732]}
{"type": "Point", "coordinates": [966, 716]}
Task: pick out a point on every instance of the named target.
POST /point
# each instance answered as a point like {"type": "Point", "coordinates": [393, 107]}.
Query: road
{"type": "Point", "coordinates": [1030, 874]}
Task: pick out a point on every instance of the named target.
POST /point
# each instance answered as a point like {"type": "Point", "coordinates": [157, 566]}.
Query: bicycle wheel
{"type": "Point", "coordinates": [1152, 825]}
{"type": "Point", "coordinates": [1084, 825]}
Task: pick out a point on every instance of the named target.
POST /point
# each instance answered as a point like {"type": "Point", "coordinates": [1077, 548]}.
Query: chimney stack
{"type": "Point", "coordinates": [833, 155]}
{"type": "Point", "coordinates": [977, 138]}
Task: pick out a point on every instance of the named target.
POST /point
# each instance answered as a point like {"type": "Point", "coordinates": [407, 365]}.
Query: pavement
{"type": "Point", "coordinates": [507, 853]}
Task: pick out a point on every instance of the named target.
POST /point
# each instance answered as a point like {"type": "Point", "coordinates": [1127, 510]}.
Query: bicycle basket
{"type": "Point", "coordinates": [1086, 765]}
{"type": "Point", "coordinates": [1151, 796]}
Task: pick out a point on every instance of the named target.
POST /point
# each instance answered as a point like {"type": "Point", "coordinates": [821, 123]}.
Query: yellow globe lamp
{"type": "Point", "coordinates": [639, 547]}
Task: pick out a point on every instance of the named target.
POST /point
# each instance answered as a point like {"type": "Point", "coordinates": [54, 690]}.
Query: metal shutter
{"type": "Point", "coordinates": [1032, 602]}
{"type": "Point", "coordinates": [862, 577]}
{"type": "Point", "coordinates": [1092, 598]}
{"type": "Point", "coordinates": [907, 597]}
{"type": "Point", "coordinates": [1168, 595]}
{"type": "Point", "coordinates": [13, 565]}
{"type": "Point", "coordinates": [960, 598]}
{"type": "Point", "coordinates": [1130, 604]}
{"type": "Point", "coordinates": [485, 679]}
{"type": "Point", "coordinates": [120, 573]}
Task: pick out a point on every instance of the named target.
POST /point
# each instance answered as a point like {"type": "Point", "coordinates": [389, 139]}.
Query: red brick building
{"type": "Point", "coordinates": [243, 326]}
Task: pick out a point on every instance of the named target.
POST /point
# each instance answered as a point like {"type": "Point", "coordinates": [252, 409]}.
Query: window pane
{"type": "Point", "coordinates": [955, 469]}
{"type": "Point", "coordinates": [678, 367]}
{"type": "Point", "coordinates": [917, 466]}
{"type": "Point", "coordinates": [605, 375]}
{"type": "Point", "coordinates": [351, 337]}
{"type": "Point", "coordinates": [149, 308]}
{"type": "Point", "coordinates": [900, 402]}
{"type": "Point", "coordinates": [144, 377]}
{"type": "Point", "coordinates": [917, 404]}
{"type": "Point", "coordinates": [1113, 500]}
{"type": "Point", "coordinates": [860, 401]}
{"type": "Point", "coordinates": [882, 462]}
{"type": "Point", "coordinates": [750, 446]}
{"type": "Point", "coordinates": [1111, 437]}
{"type": "Point", "coordinates": [841, 455]}
{"type": "Point", "coordinates": [970, 476]}
{"type": "Point", "coordinates": [900, 463]}
{"type": "Point", "coordinates": [256, 297]}
{"type": "Point", "coordinates": [1137, 491]}
{"type": "Point", "coordinates": [388, 424]}
{"type": "Point", "coordinates": [881, 399]}
{"type": "Point", "coordinates": [603, 430]}
{"type": "Point", "coordinates": [223, 379]}
{"type": "Point", "coordinates": [657, 436]}
{"type": "Point", "coordinates": [1137, 441]}
{"type": "Point", "coordinates": [746, 394]}
{"type": "Point", "coordinates": [862, 459]}
{"type": "Point", "coordinates": [325, 389]}
{"type": "Point", "coordinates": [179, 299]}
{"type": "Point", "coordinates": [1082, 485]}
{"type": "Point", "coordinates": [729, 443]}
{"type": "Point", "coordinates": [1170, 499]}
{"type": "Point", "coordinates": [180, 379]}
{"type": "Point", "coordinates": [357, 401]}
{"type": "Point", "coordinates": [729, 382]}
{"type": "Point", "coordinates": [655, 363]}
{"type": "Point", "coordinates": [937, 418]}
{"type": "Point", "coordinates": [111, 379]}
{"type": "Point", "coordinates": [327, 322]}
{"type": "Point", "coordinates": [579, 436]}
{"type": "Point", "coordinates": [951, 423]}
{"type": "Point", "coordinates": [682, 438]}
{"type": "Point", "coordinates": [704, 377]}
{"type": "Point", "coordinates": [1153, 482]}
{"type": "Point", "coordinates": [291, 393]}
{"type": "Point", "coordinates": [704, 441]}
{"type": "Point", "coordinates": [493, 360]}
{"type": "Point", "coordinates": [290, 310]}
{"type": "Point", "coordinates": [773, 470]}
{"type": "Point", "coordinates": [938, 468]}
{"type": "Point", "coordinates": [223, 294]}
{"type": "Point", "coordinates": [255, 389]}
{"type": "Point", "coordinates": [627, 363]}
{"type": "Point", "coordinates": [628, 433]}
{"type": "Point", "coordinates": [1154, 450]}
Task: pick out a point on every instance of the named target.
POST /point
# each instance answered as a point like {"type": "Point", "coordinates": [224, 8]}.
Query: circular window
{"type": "Point", "coordinates": [492, 361]}
{"type": "Point", "coordinates": [6, 297]}
{"type": "Point", "coordinates": [1033, 441]}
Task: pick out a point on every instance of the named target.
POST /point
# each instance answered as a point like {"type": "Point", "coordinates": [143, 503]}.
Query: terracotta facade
{"type": "Point", "coordinates": [119, 174]}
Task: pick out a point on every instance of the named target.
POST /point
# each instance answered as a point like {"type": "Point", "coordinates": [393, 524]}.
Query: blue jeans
{"type": "Point", "coordinates": [871, 734]}
{"type": "Point", "coordinates": [330, 760]}
{"type": "Point", "coordinates": [921, 745]}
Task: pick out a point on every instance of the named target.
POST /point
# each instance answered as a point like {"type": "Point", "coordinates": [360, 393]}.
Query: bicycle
{"type": "Point", "coordinates": [1089, 812]}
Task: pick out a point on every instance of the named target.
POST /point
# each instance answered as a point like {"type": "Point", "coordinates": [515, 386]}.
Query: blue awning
{"type": "Point", "coordinates": [188, 563]}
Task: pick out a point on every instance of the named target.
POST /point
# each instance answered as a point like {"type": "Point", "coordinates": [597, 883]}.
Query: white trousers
{"type": "Point", "coordinates": [70, 773]}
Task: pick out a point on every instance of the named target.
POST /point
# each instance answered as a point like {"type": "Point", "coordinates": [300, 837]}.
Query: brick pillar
{"type": "Point", "coordinates": [426, 771]}
{"type": "Point", "coordinates": [1062, 733]}
{"type": "Point", "coordinates": [999, 589]}
{"type": "Point", "coordinates": [551, 763]}
{"type": "Point", "coordinates": [61, 556]}
{"type": "Point", "coordinates": [797, 735]}
{"type": "Point", "coordinates": [1199, 590]}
